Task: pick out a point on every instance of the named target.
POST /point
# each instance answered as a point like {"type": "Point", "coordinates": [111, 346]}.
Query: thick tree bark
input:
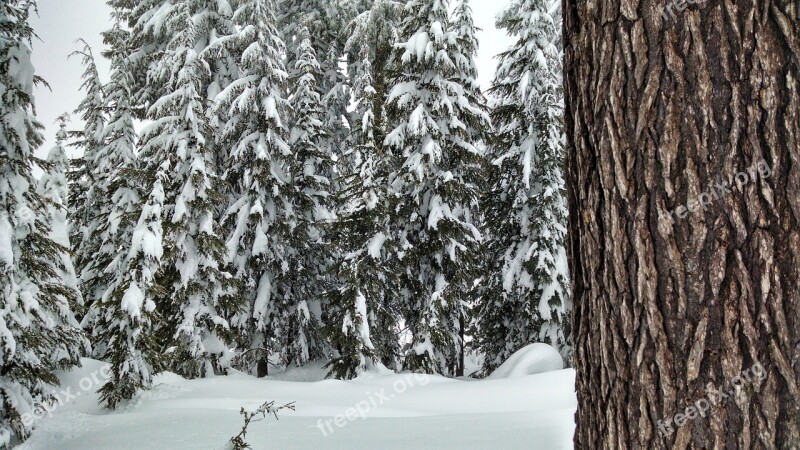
{"type": "Point", "coordinates": [686, 272]}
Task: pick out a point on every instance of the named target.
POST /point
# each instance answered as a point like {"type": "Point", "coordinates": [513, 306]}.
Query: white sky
{"type": "Point", "coordinates": [62, 22]}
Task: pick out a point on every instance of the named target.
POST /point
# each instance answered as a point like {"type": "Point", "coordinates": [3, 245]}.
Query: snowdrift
{"type": "Point", "coordinates": [530, 360]}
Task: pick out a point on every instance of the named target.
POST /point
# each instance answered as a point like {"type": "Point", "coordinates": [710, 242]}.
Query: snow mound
{"type": "Point", "coordinates": [530, 360]}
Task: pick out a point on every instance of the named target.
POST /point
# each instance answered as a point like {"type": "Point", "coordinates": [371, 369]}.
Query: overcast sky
{"type": "Point", "coordinates": [62, 22]}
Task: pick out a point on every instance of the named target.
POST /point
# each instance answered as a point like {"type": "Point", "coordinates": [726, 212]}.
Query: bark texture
{"type": "Point", "coordinates": [683, 285]}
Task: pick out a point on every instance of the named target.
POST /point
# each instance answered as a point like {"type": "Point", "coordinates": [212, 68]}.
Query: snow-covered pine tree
{"type": "Point", "coordinates": [115, 152]}
{"type": "Point", "coordinates": [467, 44]}
{"type": "Point", "coordinates": [526, 296]}
{"type": "Point", "coordinates": [325, 22]}
{"type": "Point", "coordinates": [467, 71]}
{"type": "Point", "coordinates": [178, 147]}
{"type": "Point", "coordinates": [52, 186]}
{"type": "Point", "coordinates": [84, 200]}
{"type": "Point", "coordinates": [359, 304]}
{"type": "Point", "coordinates": [117, 186]}
{"type": "Point", "coordinates": [433, 126]}
{"type": "Point", "coordinates": [40, 333]}
{"type": "Point", "coordinates": [362, 309]}
{"type": "Point", "coordinates": [149, 37]}
{"type": "Point", "coordinates": [123, 319]}
{"type": "Point", "coordinates": [373, 35]}
{"type": "Point", "coordinates": [311, 165]}
{"type": "Point", "coordinates": [254, 117]}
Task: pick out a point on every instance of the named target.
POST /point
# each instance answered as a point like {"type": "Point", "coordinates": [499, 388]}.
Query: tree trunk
{"type": "Point", "coordinates": [684, 233]}
{"type": "Point", "coordinates": [262, 368]}
{"type": "Point", "coordinates": [461, 346]}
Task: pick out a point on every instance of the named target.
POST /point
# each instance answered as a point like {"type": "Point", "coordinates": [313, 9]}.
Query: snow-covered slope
{"type": "Point", "coordinates": [402, 411]}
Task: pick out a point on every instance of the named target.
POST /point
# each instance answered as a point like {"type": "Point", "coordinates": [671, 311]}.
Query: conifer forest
{"type": "Point", "coordinates": [399, 224]}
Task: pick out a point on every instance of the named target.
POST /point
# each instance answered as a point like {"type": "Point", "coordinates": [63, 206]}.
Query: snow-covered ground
{"type": "Point", "coordinates": [402, 411]}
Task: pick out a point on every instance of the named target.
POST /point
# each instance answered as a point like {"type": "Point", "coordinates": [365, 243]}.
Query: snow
{"type": "Point", "coordinates": [439, 211]}
{"type": "Point", "coordinates": [6, 249]}
{"type": "Point", "coordinates": [133, 300]}
{"type": "Point", "coordinates": [376, 244]}
{"type": "Point", "coordinates": [20, 68]}
{"type": "Point", "coordinates": [375, 411]}
{"type": "Point", "coordinates": [418, 45]}
{"type": "Point", "coordinates": [263, 297]}
{"type": "Point", "coordinates": [361, 310]}
{"type": "Point", "coordinates": [530, 360]}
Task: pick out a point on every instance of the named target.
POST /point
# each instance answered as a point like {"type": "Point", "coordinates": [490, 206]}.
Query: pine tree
{"type": "Point", "coordinates": [114, 157]}
{"type": "Point", "coordinates": [52, 186]}
{"type": "Point", "coordinates": [325, 23]}
{"type": "Point", "coordinates": [84, 200]}
{"type": "Point", "coordinates": [124, 319]}
{"type": "Point", "coordinates": [373, 36]}
{"type": "Point", "coordinates": [53, 182]}
{"type": "Point", "coordinates": [115, 151]}
{"type": "Point", "coordinates": [311, 166]}
{"type": "Point", "coordinates": [121, 318]}
{"type": "Point", "coordinates": [179, 149]}
{"type": "Point", "coordinates": [433, 127]}
{"type": "Point", "coordinates": [254, 117]}
{"type": "Point", "coordinates": [359, 305]}
{"type": "Point", "coordinates": [40, 333]}
{"type": "Point", "coordinates": [464, 60]}
{"type": "Point", "coordinates": [526, 296]}
{"type": "Point", "coordinates": [362, 305]}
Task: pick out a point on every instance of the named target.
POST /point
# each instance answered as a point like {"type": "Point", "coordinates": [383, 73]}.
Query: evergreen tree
{"type": "Point", "coordinates": [325, 23]}
{"type": "Point", "coordinates": [53, 182]}
{"type": "Point", "coordinates": [52, 186]}
{"type": "Point", "coordinates": [360, 304]}
{"type": "Point", "coordinates": [115, 162]}
{"type": "Point", "coordinates": [466, 51]}
{"type": "Point", "coordinates": [39, 332]}
{"type": "Point", "coordinates": [311, 166]}
{"type": "Point", "coordinates": [433, 127]}
{"type": "Point", "coordinates": [122, 318]}
{"type": "Point", "coordinates": [84, 199]}
{"type": "Point", "coordinates": [179, 149]}
{"type": "Point", "coordinates": [526, 297]}
{"type": "Point", "coordinates": [116, 151]}
{"type": "Point", "coordinates": [373, 36]}
{"type": "Point", "coordinates": [254, 116]}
